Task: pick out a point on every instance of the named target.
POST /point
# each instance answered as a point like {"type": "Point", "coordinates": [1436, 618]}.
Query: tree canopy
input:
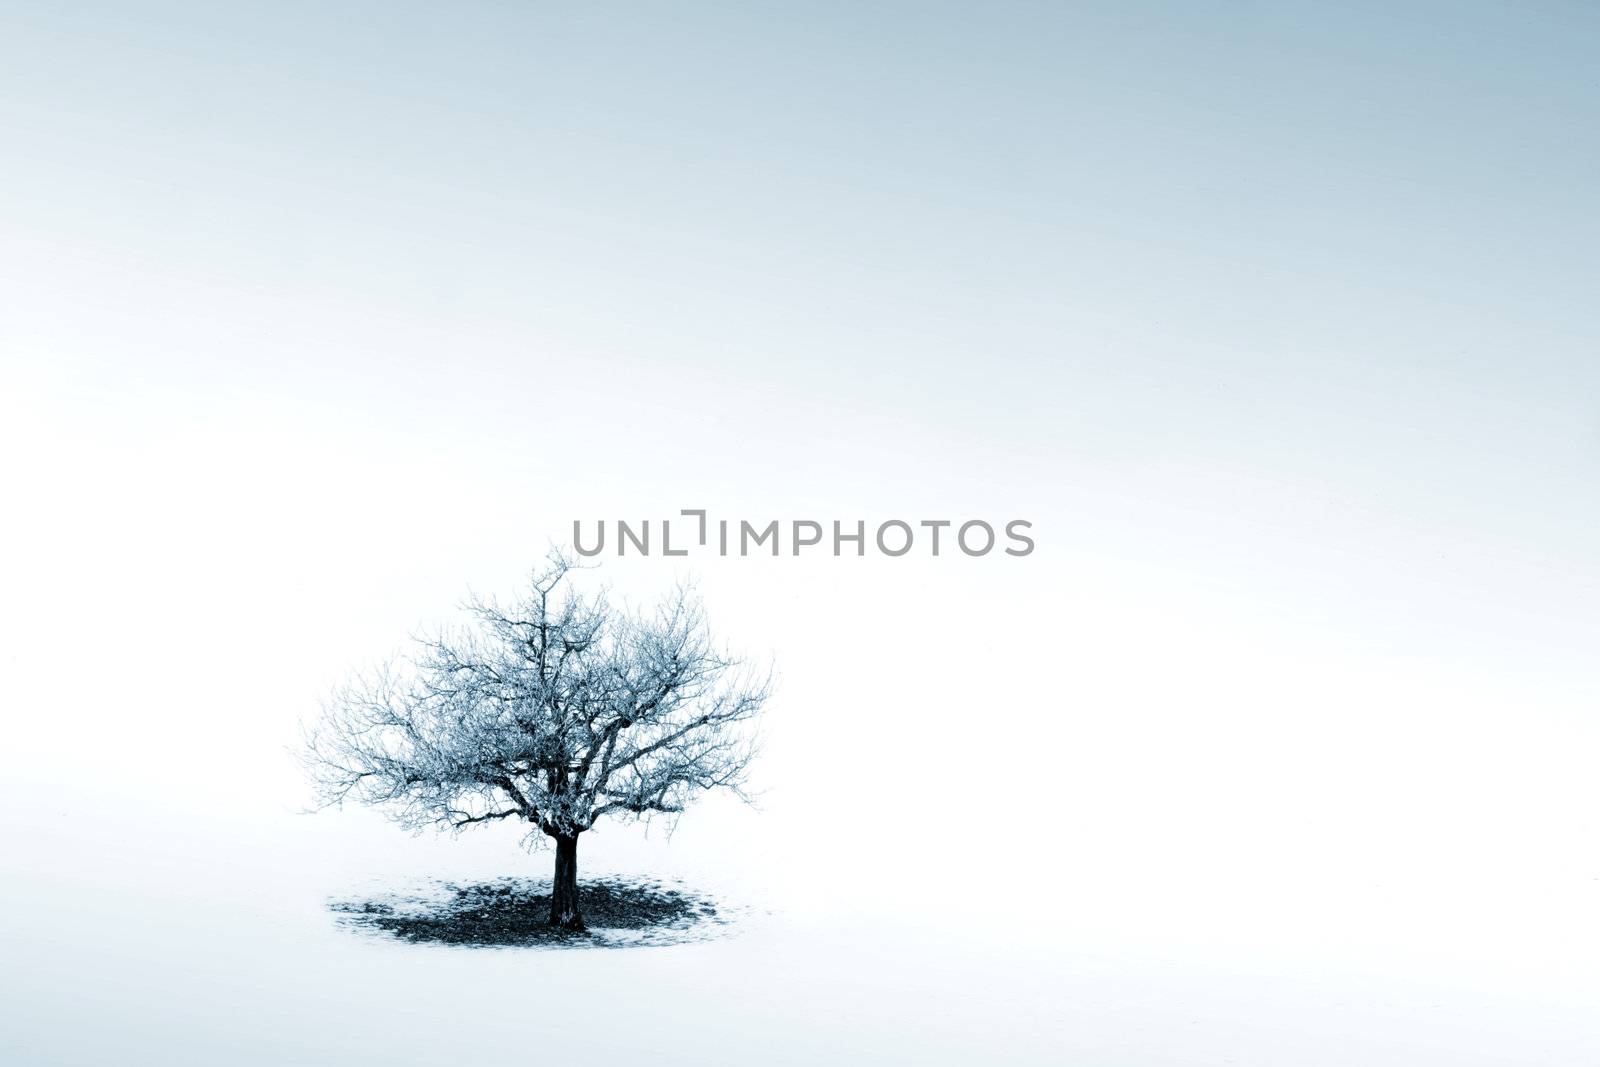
{"type": "Point", "coordinates": [554, 708]}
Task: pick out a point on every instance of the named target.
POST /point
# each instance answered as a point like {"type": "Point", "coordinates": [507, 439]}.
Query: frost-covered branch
{"type": "Point", "coordinates": [554, 709]}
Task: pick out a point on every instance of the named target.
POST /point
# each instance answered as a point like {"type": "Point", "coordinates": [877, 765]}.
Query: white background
{"type": "Point", "coordinates": [1278, 325]}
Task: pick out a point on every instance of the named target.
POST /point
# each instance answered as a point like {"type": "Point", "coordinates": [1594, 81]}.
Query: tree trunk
{"type": "Point", "coordinates": [564, 892]}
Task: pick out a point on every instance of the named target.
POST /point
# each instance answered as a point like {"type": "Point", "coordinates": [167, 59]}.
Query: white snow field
{"type": "Point", "coordinates": [157, 937]}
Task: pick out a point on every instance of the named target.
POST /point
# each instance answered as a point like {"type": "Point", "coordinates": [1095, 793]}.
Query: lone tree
{"type": "Point", "coordinates": [554, 709]}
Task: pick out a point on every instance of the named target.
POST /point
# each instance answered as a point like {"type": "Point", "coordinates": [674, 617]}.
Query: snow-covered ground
{"type": "Point", "coordinates": [1044, 850]}
{"type": "Point", "coordinates": [130, 940]}
{"type": "Point", "coordinates": [1128, 820]}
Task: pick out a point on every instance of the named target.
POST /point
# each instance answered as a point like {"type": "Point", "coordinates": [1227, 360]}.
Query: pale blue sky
{"type": "Point", "coordinates": [1309, 285]}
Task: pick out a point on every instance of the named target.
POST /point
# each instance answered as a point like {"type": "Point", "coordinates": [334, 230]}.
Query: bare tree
{"type": "Point", "coordinates": [555, 709]}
